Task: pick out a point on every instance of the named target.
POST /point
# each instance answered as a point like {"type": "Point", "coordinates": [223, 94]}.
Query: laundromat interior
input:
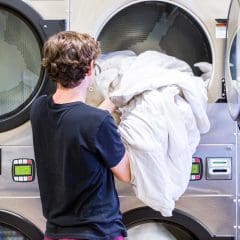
{"type": "Point", "coordinates": [191, 30]}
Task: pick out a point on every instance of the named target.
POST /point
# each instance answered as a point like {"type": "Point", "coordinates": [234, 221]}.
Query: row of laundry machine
{"type": "Point", "coordinates": [194, 31]}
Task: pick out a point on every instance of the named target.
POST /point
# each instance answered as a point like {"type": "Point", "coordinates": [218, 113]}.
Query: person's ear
{"type": "Point", "coordinates": [91, 69]}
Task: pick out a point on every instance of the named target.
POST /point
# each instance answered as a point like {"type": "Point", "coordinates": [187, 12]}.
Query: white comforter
{"type": "Point", "coordinates": [163, 110]}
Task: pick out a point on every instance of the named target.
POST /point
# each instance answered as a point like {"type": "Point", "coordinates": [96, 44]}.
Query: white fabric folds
{"type": "Point", "coordinates": [163, 113]}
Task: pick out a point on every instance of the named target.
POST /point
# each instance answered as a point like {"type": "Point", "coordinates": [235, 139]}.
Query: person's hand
{"type": "Point", "coordinates": [108, 105]}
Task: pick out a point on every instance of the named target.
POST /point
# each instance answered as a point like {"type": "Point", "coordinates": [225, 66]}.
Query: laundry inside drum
{"type": "Point", "coordinates": [159, 26]}
{"type": "Point", "coordinates": [158, 231]}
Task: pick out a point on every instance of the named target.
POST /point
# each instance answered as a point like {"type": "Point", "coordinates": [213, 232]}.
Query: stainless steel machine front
{"type": "Point", "coordinates": [194, 31]}
{"type": "Point", "coordinates": [232, 73]}
{"type": "Point", "coordinates": [207, 210]}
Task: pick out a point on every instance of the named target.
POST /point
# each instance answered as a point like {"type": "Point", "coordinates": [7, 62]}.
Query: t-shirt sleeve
{"type": "Point", "coordinates": [34, 111]}
{"type": "Point", "coordinates": [109, 143]}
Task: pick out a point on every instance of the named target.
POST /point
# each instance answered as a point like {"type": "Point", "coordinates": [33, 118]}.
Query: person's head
{"type": "Point", "coordinates": [69, 57]}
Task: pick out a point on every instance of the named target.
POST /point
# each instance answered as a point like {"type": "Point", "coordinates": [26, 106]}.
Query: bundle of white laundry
{"type": "Point", "coordinates": [163, 112]}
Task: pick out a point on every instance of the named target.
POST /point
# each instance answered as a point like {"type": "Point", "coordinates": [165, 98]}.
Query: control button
{"type": "Point", "coordinates": [197, 177]}
{"type": "Point", "coordinates": [29, 178]}
{"type": "Point", "coordinates": [29, 161]}
{"type": "Point", "coordinates": [20, 179]}
{"type": "Point", "coordinates": [15, 179]}
{"type": "Point", "coordinates": [197, 160]}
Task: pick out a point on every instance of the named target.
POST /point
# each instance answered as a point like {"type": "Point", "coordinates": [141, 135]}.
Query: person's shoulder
{"type": "Point", "coordinates": [92, 117]}
{"type": "Point", "coordinates": [39, 100]}
{"type": "Point", "coordinates": [96, 113]}
{"type": "Point", "coordinates": [37, 103]}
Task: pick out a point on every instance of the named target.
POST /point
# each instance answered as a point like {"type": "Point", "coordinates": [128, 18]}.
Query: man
{"type": "Point", "coordinates": [77, 147]}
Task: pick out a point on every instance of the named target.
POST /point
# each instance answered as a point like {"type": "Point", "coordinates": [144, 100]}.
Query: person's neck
{"type": "Point", "coordinates": [68, 95]}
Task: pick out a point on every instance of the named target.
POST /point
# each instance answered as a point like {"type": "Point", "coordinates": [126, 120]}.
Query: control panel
{"type": "Point", "coordinates": [217, 168]}
{"type": "Point", "coordinates": [197, 169]}
{"type": "Point", "coordinates": [23, 170]}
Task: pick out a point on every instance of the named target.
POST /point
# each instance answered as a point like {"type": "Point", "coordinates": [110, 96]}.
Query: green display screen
{"type": "Point", "coordinates": [195, 168]}
{"type": "Point", "coordinates": [22, 170]}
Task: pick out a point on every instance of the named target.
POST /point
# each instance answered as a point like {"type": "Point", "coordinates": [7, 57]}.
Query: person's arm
{"type": "Point", "coordinates": [122, 170]}
{"type": "Point", "coordinates": [108, 105]}
{"type": "Point", "coordinates": [112, 151]}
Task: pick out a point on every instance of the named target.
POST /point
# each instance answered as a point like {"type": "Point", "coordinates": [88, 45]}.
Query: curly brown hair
{"type": "Point", "coordinates": [67, 56]}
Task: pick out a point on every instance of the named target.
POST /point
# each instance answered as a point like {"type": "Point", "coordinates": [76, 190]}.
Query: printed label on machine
{"type": "Point", "coordinates": [23, 170]}
{"type": "Point", "coordinates": [221, 28]}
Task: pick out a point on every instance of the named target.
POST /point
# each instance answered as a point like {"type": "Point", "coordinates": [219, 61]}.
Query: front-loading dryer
{"type": "Point", "coordinates": [194, 31]}
{"type": "Point", "coordinates": [232, 75]}
{"type": "Point", "coordinates": [23, 31]}
{"type": "Point", "coordinates": [190, 30]}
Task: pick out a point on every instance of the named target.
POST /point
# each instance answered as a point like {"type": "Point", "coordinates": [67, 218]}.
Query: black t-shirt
{"type": "Point", "coordinates": [75, 146]}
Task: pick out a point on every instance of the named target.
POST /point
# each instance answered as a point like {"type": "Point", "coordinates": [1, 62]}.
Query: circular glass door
{"type": "Point", "coordinates": [144, 224]}
{"type": "Point", "coordinates": [159, 26]}
{"type": "Point", "coordinates": [158, 231]}
{"type": "Point", "coordinates": [232, 65]}
{"type": "Point", "coordinates": [19, 63]}
{"type": "Point", "coordinates": [15, 227]}
{"type": "Point", "coordinates": [22, 34]}
{"type": "Point", "coordinates": [9, 233]}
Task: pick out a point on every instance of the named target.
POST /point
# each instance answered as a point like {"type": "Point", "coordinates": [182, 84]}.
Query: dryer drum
{"type": "Point", "coordinates": [145, 223]}
{"type": "Point", "coordinates": [160, 26]}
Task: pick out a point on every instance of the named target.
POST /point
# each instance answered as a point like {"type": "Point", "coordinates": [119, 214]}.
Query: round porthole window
{"type": "Point", "coordinates": [165, 27]}
{"type": "Point", "coordinates": [19, 63]}
{"type": "Point", "coordinates": [22, 79]}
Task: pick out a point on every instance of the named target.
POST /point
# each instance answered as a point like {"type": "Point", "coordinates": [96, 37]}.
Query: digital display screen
{"type": "Point", "coordinates": [22, 170]}
{"type": "Point", "coordinates": [195, 168]}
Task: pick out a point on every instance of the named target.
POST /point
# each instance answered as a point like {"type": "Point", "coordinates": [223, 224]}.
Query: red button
{"type": "Point", "coordinates": [29, 161]}
{"type": "Point", "coordinates": [29, 178]}
{"type": "Point", "coordinates": [198, 177]}
{"type": "Point", "coordinates": [197, 160]}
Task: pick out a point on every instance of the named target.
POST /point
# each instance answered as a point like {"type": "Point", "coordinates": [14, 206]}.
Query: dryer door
{"type": "Point", "coordinates": [13, 226]}
{"type": "Point", "coordinates": [232, 60]}
{"type": "Point", "coordinates": [22, 33]}
{"type": "Point", "coordinates": [145, 224]}
{"type": "Point", "coordinates": [159, 26]}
